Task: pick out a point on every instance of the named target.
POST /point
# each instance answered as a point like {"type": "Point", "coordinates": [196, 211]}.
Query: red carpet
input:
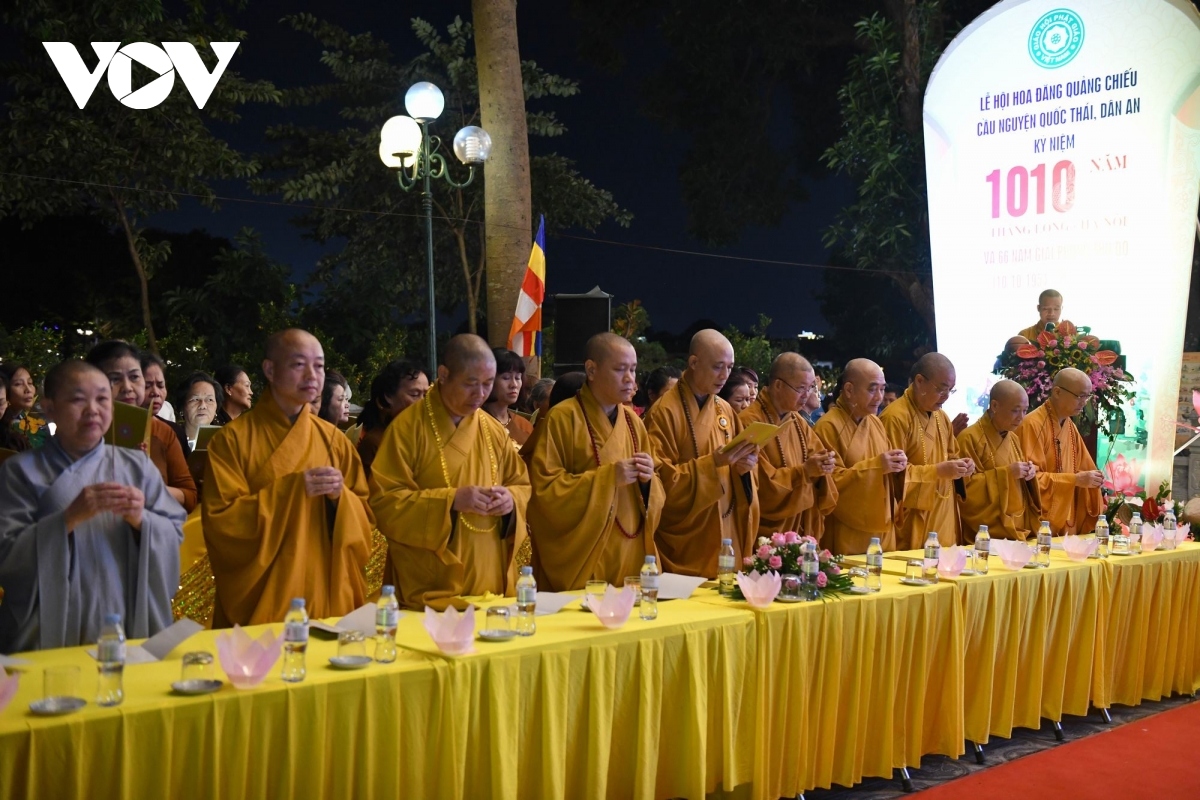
{"type": "Point", "coordinates": [1154, 757]}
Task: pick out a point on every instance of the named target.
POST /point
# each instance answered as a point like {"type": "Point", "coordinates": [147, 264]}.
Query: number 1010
{"type": "Point", "coordinates": [1016, 196]}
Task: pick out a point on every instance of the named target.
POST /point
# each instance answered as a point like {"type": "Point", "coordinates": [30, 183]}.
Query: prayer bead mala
{"type": "Point", "coordinates": [437, 436]}
{"type": "Point", "coordinates": [596, 453]}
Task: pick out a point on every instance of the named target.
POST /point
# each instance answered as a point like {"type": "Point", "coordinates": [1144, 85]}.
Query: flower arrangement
{"type": "Point", "coordinates": [783, 553]}
{"type": "Point", "coordinates": [1124, 496]}
{"type": "Point", "coordinates": [1034, 366]}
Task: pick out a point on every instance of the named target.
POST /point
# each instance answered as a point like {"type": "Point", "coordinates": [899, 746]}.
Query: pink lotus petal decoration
{"type": "Point", "coordinates": [1152, 536]}
{"type": "Point", "coordinates": [452, 632]}
{"type": "Point", "coordinates": [247, 661]}
{"type": "Point", "coordinates": [1181, 534]}
{"type": "Point", "coordinates": [8, 688]}
{"type": "Point", "coordinates": [759, 590]}
{"type": "Point", "coordinates": [1014, 555]}
{"type": "Point", "coordinates": [1196, 401]}
{"type": "Point", "coordinates": [613, 607]}
{"type": "Point", "coordinates": [952, 561]}
{"type": "Point", "coordinates": [1123, 476]}
{"type": "Point", "coordinates": [1079, 548]}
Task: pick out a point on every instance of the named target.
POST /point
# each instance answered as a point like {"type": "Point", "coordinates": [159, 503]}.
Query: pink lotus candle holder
{"type": "Point", "coordinates": [759, 590]}
{"type": "Point", "coordinates": [613, 607]}
{"type": "Point", "coordinates": [451, 631]}
{"type": "Point", "coordinates": [247, 661]}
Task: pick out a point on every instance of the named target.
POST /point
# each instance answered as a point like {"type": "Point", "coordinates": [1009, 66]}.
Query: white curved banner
{"type": "Point", "coordinates": [1062, 144]}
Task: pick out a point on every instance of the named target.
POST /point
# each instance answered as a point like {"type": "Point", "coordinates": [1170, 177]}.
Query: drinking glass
{"type": "Point", "coordinates": [60, 682]}
{"type": "Point", "coordinates": [858, 577]}
{"type": "Point", "coordinates": [634, 584]}
{"type": "Point", "coordinates": [197, 666]}
{"type": "Point", "coordinates": [915, 570]}
{"type": "Point", "coordinates": [596, 587]}
{"type": "Point", "coordinates": [352, 644]}
{"type": "Point", "coordinates": [790, 587]}
{"type": "Point", "coordinates": [498, 618]}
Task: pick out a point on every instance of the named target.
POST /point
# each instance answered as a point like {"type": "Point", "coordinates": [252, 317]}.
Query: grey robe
{"type": "Point", "coordinates": [58, 585]}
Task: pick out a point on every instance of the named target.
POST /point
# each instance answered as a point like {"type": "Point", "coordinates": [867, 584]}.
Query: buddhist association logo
{"type": "Point", "coordinates": [1056, 38]}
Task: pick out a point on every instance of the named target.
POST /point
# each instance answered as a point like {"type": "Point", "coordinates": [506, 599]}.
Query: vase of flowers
{"type": "Point", "coordinates": [1034, 366]}
{"type": "Point", "coordinates": [784, 553]}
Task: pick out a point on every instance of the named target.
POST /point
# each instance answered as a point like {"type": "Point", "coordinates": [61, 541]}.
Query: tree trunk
{"type": "Point", "coordinates": [460, 236]}
{"type": "Point", "coordinates": [507, 208]}
{"type": "Point", "coordinates": [910, 67]}
{"type": "Point", "coordinates": [143, 279]}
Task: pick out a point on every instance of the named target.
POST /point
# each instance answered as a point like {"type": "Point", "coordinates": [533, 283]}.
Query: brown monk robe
{"type": "Point", "coordinates": [1049, 309]}
{"type": "Point", "coordinates": [1066, 474]}
{"type": "Point", "coordinates": [917, 425]}
{"type": "Point", "coordinates": [285, 500]}
{"type": "Point", "coordinates": [711, 494]}
{"type": "Point", "coordinates": [1003, 493]}
{"type": "Point", "coordinates": [449, 489]}
{"type": "Point", "coordinates": [596, 500]}
{"type": "Point", "coordinates": [868, 471]}
{"type": "Point", "coordinates": [795, 491]}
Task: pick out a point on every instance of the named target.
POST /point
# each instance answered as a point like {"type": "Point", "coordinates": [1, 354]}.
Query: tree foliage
{"type": "Point", "coordinates": [121, 164]}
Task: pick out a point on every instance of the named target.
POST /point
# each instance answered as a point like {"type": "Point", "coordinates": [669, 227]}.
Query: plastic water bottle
{"type": "Point", "coordinates": [983, 548]}
{"type": "Point", "coordinates": [110, 660]}
{"type": "Point", "coordinates": [1170, 524]}
{"type": "Point", "coordinates": [295, 642]}
{"type": "Point", "coordinates": [387, 615]}
{"type": "Point", "coordinates": [933, 552]}
{"type": "Point", "coordinates": [810, 567]}
{"type": "Point", "coordinates": [650, 573]}
{"type": "Point", "coordinates": [726, 568]}
{"type": "Point", "coordinates": [1102, 537]}
{"type": "Point", "coordinates": [875, 565]}
{"type": "Point", "coordinates": [1044, 539]}
{"type": "Point", "coordinates": [1135, 533]}
{"type": "Point", "coordinates": [526, 602]}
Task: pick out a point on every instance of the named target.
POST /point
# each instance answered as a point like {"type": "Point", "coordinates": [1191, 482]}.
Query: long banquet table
{"type": "Point", "coordinates": [712, 698]}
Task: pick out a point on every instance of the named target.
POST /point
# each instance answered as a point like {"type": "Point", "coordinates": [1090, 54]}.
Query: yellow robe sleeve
{"type": "Point", "coordinates": [690, 485]}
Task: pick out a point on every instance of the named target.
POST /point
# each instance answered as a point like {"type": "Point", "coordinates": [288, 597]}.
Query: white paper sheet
{"type": "Point", "coordinates": [677, 587]}
{"type": "Point", "coordinates": [360, 619]}
{"type": "Point", "coordinates": [158, 646]}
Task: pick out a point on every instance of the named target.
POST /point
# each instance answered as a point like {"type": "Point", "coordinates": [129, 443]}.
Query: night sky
{"type": "Point", "coordinates": [613, 144]}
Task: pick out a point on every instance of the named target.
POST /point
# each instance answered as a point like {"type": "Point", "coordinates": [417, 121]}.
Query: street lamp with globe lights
{"type": "Point", "coordinates": [406, 146]}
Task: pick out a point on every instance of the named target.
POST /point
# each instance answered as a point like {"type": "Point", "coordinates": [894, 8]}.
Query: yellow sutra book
{"type": "Point", "coordinates": [757, 432]}
{"type": "Point", "coordinates": [130, 426]}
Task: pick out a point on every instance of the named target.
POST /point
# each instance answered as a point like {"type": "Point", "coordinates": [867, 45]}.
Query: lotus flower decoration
{"type": "Point", "coordinates": [613, 607]}
{"type": "Point", "coordinates": [759, 590]}
{"type": "Point", "coordinates": [1121, 475]}
{"type": "Point", "coordinates": [952, 561]}
{"type": "Point", "coordinates": [1152, 536]}
{"type": "Point", "coordinates": [247, 661]}
{"type": "Point", "coordinates": [1181, 534]}
{"type": "Point", "coordinates": [1014, 555]}
{"type": "Point", "coordinates": [1079, 548]}
{"type": "Point", "coordinates": [452, 632]}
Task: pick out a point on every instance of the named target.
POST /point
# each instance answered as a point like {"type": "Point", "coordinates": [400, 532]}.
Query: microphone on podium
{"type": "Point", "coordinates": [1050, 326]}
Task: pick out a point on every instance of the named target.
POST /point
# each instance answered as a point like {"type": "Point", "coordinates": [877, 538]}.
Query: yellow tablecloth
{"type": "Point", "coordinates": [1153, 638]}
{"type": "Point", "coordinates": [1033, 643]}
{"type": "Point", "coordinates": [856, 686]}
{"type": "Point", "coordinates": [656, 709]}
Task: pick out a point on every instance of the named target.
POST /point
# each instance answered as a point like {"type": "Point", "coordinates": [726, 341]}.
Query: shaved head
{"type": "Point", "coordinates": [1073, 379]}
{"type": "Point", "coordinates": [788, 365]}
{"type": "Point", "coordinates": [1006, 391]}
{"type": "Point", "coordinates": [932, 366]}
{"type": "Point", "coordinates": [603, 346]}
{"type": "Point", "coordinates": [295, 368]}
{"type": "Point", "coordinates": [66, 375]}
{"type": "Point", "coordinates": [1007, 403]}
{"type": "Point", "coordinates": [933, 379]}
{"type": "Point", "coordinates": [710, 360]}
{"type": "Point", "coordinates": [863, 386]}
{"type": "Point", "coordinates": [280, 345]}
{"type": "Point", "coordinates": [791, 383]}
{"type": "Point", "coordinates": [1015, 342]}
{"type": "Point", "coordinates": [1049, 294]}
{"type": "Point", "coordinates": [1071, 392]}
{"type": "Point", "coordinates": [464, 350]}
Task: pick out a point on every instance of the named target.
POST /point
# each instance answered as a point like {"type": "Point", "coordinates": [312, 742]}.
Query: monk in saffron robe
{"type": "Point", "coordinates": [86, 529]}
{"type": "Point", "coordinates": [710, 491]}
{"type": "Point", "coordinates": [285, 500]}
{"type": "Point", "coordinates": [795, 490]}
{"type": "Point", "coordinates": [1066, 474]}
{"type": "Point", "coordinates": [867, 470]}
{"type": "Point", "coordinates": [1049, 308]}
{"type": "Point", "coordinates": [596, 499]}
{"type": "Point", "coordinates": [917, 425]}
{"type": "Point", "coordinates": [1003, 493]}
{"type": "Point", "coordinates": [449, 489]}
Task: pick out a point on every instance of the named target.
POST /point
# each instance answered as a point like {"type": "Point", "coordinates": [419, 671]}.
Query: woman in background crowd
{"type": "Point", "coordinates": [659, 382]}
{"type": "Point", "coordinates": [154, 373]}
{"type": "Point", "coordinates": [22, 397]}
{"type": "Point", "coordinates": [510, 374]}
{"type": "Point", "coordinates": [235, 386]}
{"type": "Point", "coordinates": [738, 391]}
{"type": "Point", "coordinates": [199, 396]}
{"type": "Point", "coordinates": [10, 437]}
{"type": "Point", "coordinates": [335, 398]}
{"type": "Point", "coordinates": [400, 384]}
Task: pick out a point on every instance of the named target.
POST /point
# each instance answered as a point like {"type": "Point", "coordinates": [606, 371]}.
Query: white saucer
{"type": "Point", "coordinates": [56, 706]}
{"type": "Point", "coordinates": [349, 662]}
{"type": "Point", "coordinates": [497, 635]}
{"type": "Point", "coordinates": [915, 582]}
{"type": "Point", "coordinates": [196, 686]}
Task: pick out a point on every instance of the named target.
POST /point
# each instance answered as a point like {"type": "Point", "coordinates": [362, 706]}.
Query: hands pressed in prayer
{"type": "Point", "coordinates": [959, 424]}
{"type": "Point", "coordinates": [819, 463]}
{"type": "Point", "coordinates": [323, 481]}
{"type": "Point", "coordinates": [501, 503]}
{"type": "Point", "coordinates": [735, 455]}
{"type": "Point", "coordinates": [1089, 479]}
{"type": "Point", "coordinates": [638, 468]}
{"type": "Point", "coordinates": [487, 501]}
{"type": "Point", "coordinates": [894, 461]}
{"type": "Point", "coordinates": [125, 501]}
{"type": "Point", "coordinates": [1023, 470]}
{"type": "Point", "coordinates": [955, 468]}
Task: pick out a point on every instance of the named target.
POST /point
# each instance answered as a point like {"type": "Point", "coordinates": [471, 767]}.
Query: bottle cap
{"type": "Point", "coordinates": [526, 570]}
{"type": "Point", "coordinates": [983, 528]}
{"type": "Point", "coordinates": [1045, 522]}
{"type": "Point", "coordinates": [727, 543]}
{"type": "Point", "coordinates": [874, 540]}
{"type": "Point", "coordinates": [931, 535]}
{"type": "Point", "coordinates": [650, 559]}
{"type": "Point", "coordinates": [112, 619]}
{"type": "Point", "coordinates": [387, 590]}
{"type": "Point", "coordinates": [297, 602]}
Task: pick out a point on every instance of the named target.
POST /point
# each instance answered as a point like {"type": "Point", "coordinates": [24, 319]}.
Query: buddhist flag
{"type": "Point", "coordinates": [525, 336]}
